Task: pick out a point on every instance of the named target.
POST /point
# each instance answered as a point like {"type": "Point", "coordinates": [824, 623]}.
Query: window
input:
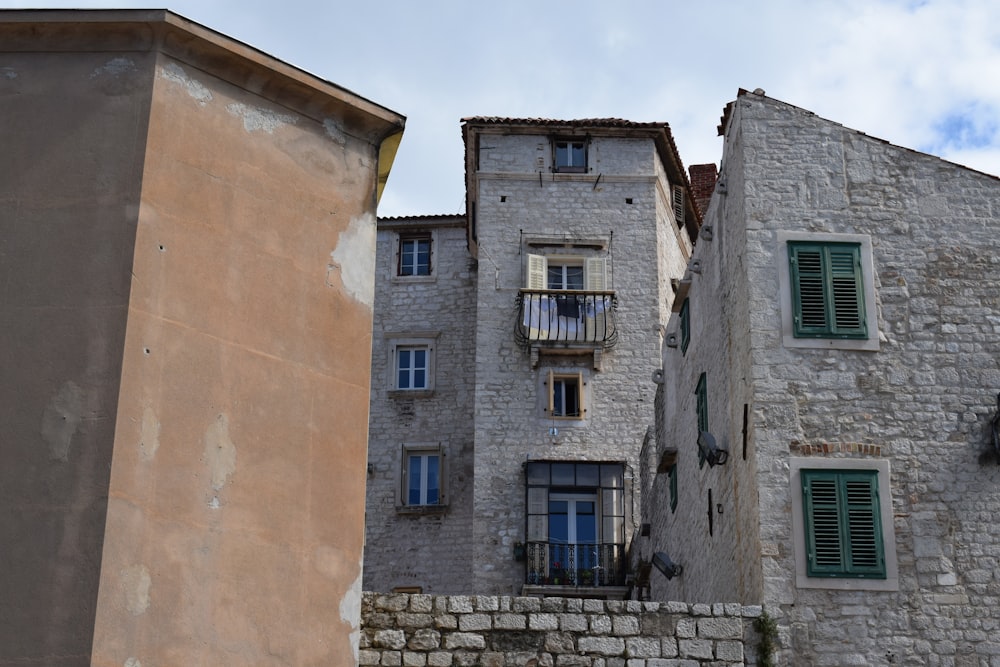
{"type": "Point", "coordinates": [414, 255]}
{"type": "Point", "coordinates": [570, 155]}
{"type": "Point", "coordinates": [685, 325]}
{"type": "Point", "coordinates": [559, 272]}
{"type": "Point", "coordinates": [842, 523]}
{"type": "Point", "coordinates": [411, 363]}
{"type": "Point", "coordinates": [411, 367]}
{"type": "Point", "coordinates": [575, 523]}
{"type": "Point", "coordinates": [422, 478]}
{"type": "Point", "coordinates": [842, 527]}
{"type": "Point", "coordinates": [565, 395]}
{"type": "Point", "coordinates": [701, 393]}
{"type": "Point", "coordinates": [677, 201]}
{"type": "Point", "coordinates": [827, 290]}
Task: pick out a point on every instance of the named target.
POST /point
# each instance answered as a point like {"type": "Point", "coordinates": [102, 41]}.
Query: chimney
{"type": "Point", "coordinates": [703, 178]}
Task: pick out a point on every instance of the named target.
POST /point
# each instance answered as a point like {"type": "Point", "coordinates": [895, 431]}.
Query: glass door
{"type": "Point", "coordinates": [572, 538]}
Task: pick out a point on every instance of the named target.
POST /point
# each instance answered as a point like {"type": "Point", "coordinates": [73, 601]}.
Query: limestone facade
{"type": "Point", "coordinates": [606, 230]}
{"type": "Point", "coordinates": [909, 399]}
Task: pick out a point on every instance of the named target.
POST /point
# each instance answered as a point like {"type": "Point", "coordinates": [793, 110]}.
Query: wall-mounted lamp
{"type": "Point", "coordinates": [520, 554]}
{"type": "Point", "coordinates": [667, 567]}
{"type": "Point", "coordinates": [711, 451]}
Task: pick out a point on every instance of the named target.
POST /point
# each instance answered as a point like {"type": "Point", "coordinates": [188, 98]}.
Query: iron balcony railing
{"type": "Point", "coordinates": [552, 564]}
{"type": "Point", "coordinates": [566, 316]}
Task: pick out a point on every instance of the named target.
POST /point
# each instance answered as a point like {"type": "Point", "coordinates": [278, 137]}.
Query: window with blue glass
{"type": "Point", "coordinates": [415, 255]}
{"type": "Point", "coordinates": [570, 155]}
{"type": "Point", "coordinates": [423, 478]}
{"type": "Point", "coordinates": [412, 366]}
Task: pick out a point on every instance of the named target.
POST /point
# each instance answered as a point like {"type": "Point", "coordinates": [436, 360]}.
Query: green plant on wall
{"type": "Point", "coordinates": [767, 628]}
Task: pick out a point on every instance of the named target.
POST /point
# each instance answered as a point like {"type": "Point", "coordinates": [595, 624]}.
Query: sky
{"type": "Point", "coordinates": [923, 74]}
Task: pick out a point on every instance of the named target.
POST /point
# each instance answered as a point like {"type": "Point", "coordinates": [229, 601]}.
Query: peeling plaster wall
{"type": "Point", "coordinates": [236, 516]}
{"type": "Point", "coordinates": [72, 137]}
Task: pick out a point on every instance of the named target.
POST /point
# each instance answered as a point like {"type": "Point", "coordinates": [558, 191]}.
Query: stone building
{"type": "Point", "coordinates": [186, 248]}
{"type": "Point", "coordinates": [830, 376]}
{"type": "Point", "coordinates": [512, 353]}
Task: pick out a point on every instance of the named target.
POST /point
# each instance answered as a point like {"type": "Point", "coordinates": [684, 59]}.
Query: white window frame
{"type": "Point", "coordinates": [802, 580]}
{"type": "Point", "coordinates": [422, 449]}
{"type": "Point", "coordinates": [871, 343]}
{"type": "Point", "coordinates": [424, 340]}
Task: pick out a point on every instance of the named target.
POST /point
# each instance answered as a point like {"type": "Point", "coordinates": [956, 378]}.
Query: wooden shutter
{"type": "Point", "coordinates": [685, 318]}
{"type": "Point", "coordinates": [827, 290]}
{"type": "Point", "coordinates": [677, 193]}
{"type": "Point", "coordinates": [842, 524]}
{"type": "Point", "coordinates": [537, 268]}
{"type": "Point", "coordinates": [595, 274]}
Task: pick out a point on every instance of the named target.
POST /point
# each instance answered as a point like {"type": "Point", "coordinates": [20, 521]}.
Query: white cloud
{"type": "Point", "coordinates": [925, 75]}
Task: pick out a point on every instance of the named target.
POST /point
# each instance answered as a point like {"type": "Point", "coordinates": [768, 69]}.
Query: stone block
{"type": "Point", "coordinates": [695, 648]}
{"type": "Point", "coordinates": [601, 645]}
{"type": "Point", "coordinates": [464, 640]}
{"type": "Point", "coordinates": [720, 628]}
{"type": "Point", "coordinates": [643, 647]}
{"type": "Point", "coordinates": [424, 640]}
{"type": "Point", "coordinates": [474, 622]}
{"type": "Point", "coordinates": [543, 622]}
{"type": "Point", "coordinates": [391, 639]}
{"type": "Point", "coordinates": [510, 622]}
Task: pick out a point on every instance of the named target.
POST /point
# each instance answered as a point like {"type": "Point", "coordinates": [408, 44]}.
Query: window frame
{"type": "Point", "coordinates": [828, 297]}
{"type": "Point", "coordinates": [420, 341]}
{"type": "Point", "coordinates": [404, 237]}
{"type": "Point", "coordinates": [806, 576]}
{"type": "Point", "coordinates": [423, 450]}
{"type": "Point", "coordinates": [851, 516]}
{"type": "Point", "coordinates": [570, 167]}
{"type": "Point", "coordinates": [869, 341]}
{"type": "Point", "coordinates": [549, 380]}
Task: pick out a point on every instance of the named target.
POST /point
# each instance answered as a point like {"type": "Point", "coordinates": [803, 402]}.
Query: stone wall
{"type": "Point", "coordinates": [429, 548]}
{"type": "Point", "coordinates": [440, 631]}
{"type": "Point", "coordinates": [626, 209]}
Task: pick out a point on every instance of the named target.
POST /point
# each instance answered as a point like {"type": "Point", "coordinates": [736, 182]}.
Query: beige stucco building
{"type": "Point", "coordinates": [187, 233]}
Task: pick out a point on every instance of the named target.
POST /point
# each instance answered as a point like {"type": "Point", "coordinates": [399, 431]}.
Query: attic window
{"type": "Point", "coordinates": [569, 156]}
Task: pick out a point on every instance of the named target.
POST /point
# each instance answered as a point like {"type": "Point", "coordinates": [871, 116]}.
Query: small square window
{"type": "Point", "coordinates": [414, 255]}
{"type": "Point", "coordinates": [842, 526]}
{"type": "Point", "coordinates": [412, 367]}
{"type": "Point", "coordinates": [565, 395]}
{"type": "Point", "coordinates": [422, 478]}
{"type": "Point", "coordinates": [842, 523]}
{"type": "Point", "coordinates": [570, 155]}
{"type": "Point", "coordinates": [827, 288]}
{"type": "Point", "coordinates": [828, 297]}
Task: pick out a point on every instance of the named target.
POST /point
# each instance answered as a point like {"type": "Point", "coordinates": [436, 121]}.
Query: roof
{"type": "Point", "coordinates": [581, 123]}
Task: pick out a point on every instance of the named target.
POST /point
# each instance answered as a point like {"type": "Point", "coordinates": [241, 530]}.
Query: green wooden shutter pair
{"type": "Point", "coordinates": [842, 524]}
{"type": "Point", "coordinates": [827, 290]}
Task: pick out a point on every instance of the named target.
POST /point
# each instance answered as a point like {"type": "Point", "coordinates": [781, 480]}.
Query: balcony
{"type": "Point", "coordinates": [566, 318]}
{"type": "Point", "coordinates": [577, 570]}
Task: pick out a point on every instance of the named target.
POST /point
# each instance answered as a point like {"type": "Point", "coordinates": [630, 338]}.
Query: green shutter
{"type": "Point", "coordinates": [827, 290]}
{"type": "Point", "coordinates": [842, 524]}
{"type": "Point", "coordinates": [685, 325]}
{"type": "Point", "coordinates": [702, 393]}
{"type": "Point", "coordinates": [673, 487]}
